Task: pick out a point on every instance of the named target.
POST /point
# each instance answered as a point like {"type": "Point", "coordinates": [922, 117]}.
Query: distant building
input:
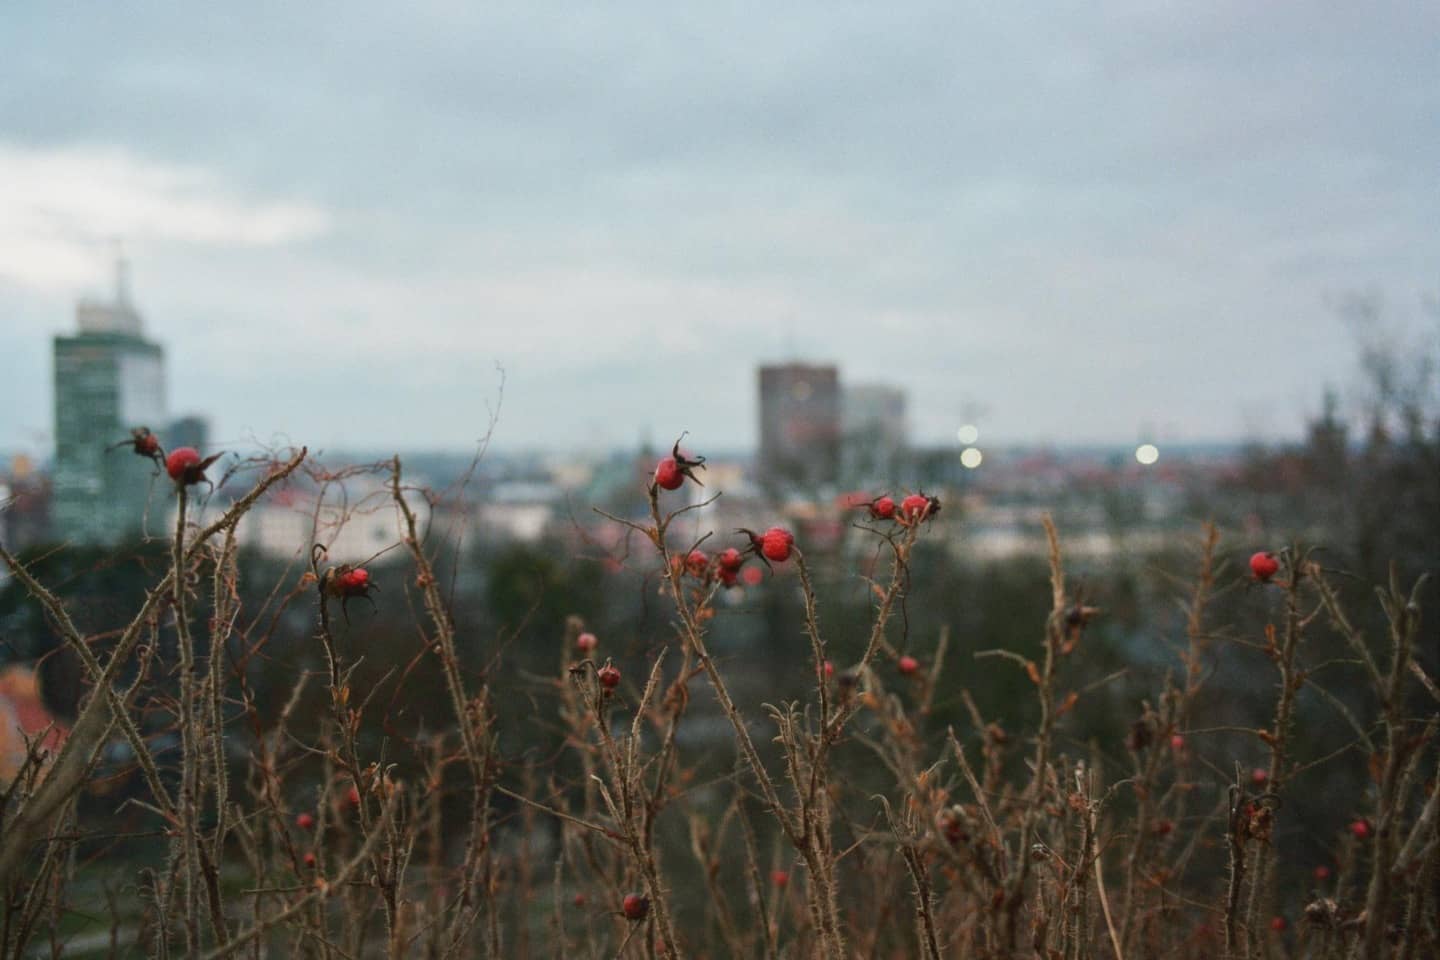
{"type": "Point", "coordinates": [186, 432]}
{"type": "Point", "coordinates": [108, 380]}
{"type": "Point", "coordinates": [874, 435]}
{"type": "Point", "coordinates": [799, 425]}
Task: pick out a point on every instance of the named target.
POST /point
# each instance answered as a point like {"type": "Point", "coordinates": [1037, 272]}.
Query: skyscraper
{"type": "Point", "coordinates": [799, 425]}
{"type": "Point", "coordinates": [108, 380]}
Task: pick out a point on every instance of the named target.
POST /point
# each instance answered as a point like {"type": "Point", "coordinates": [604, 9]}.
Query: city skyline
{"type": "Point", "coordinates": [1046, 215]}
{"type": "Point", "coordinates": [866, 423]}
{"type": "Point", "coordinates": [36, 444]}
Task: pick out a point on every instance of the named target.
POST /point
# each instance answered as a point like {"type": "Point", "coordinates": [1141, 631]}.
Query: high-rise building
{"type": "Point", "coordinates": [191, 431]}
{"type": "Point", "coordinates": [799, 425]}
{"type": "Point", "coordinates": [875, 436]}
{"type": "Point", "coordinates": [108, 380]}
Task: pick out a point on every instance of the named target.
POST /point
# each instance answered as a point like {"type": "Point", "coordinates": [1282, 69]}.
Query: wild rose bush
{"type": "Point", "coordinates": [844, 823]}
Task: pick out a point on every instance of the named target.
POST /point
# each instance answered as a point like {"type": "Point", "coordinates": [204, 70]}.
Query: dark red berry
{"type": "Point", "coordinates": [1258, 776]}
{"type": "Point", "coordinates": [730, 559]}
{"type": "Point", "coordinates": [829, 669]}
{"type": "Point", "coordinates": [1360, 829]}
{"type": "Point", "coordinates": [142, 443]}
{"type": "Point", "coordinates": [1264, 565]}
{"type": "Point", "coordinates": [1278, 924]}
{"type": "Point", "coordinates": [908, 664]}
{"type": "Point", "coordinates": [587, 642]}
{"type": "Point", "coordinates": [305, 821]}
{"type": "Point", "coordinates": [609, 676]}
{"type": "Point", "coordinates": [780, 878]}
{"type": "Point", "coordinates": [882, 508]}
{"type": "Point", "coordinates": [310, 859]}
{"type": "Point", "coordinates": [1322, 873]}
{"type": "Point", "coordinates": [635, 906]}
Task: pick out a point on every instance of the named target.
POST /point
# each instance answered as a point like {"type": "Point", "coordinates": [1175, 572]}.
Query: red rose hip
{"type": "Point", "coordinates": [696, 563]}
{"type": "Point", "coordinates": [672, 471]}
{"type": "Point", "coordinates": [776, 544]}
{"type": "Point", "coordinates": [181, 461]}
{"type": "Point", "coordinates": [186, 467]}
{"type": "Point", "coordinates": [668, 475]}
{"type": "Point", "coordinates": [918, 507]}
{"type": "Point", "coordinates": [1263, 565]}
{"type": "Point", "coordinates": [635, 906]}
{"type": "Point", "coordinates": [354, 582]}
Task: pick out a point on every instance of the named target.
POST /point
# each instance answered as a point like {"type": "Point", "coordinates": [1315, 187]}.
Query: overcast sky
{"type": "Point", "coordinates": [1078, 223]}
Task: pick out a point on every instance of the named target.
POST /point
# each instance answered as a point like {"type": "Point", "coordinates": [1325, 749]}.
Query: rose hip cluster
{"type": "Point", "coordinates": [775, 545]}
{"type": "Point", "coordinates": [913, 509]}
{"type": "Point", "coordinates": [184, 464]}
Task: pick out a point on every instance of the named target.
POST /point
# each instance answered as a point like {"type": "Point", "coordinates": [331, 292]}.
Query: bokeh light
{"type": "Point", "coordinates": [1147, 453]}
{"type": "Point", "coordinates": [971, 457]}
{"type": "Point", "coordinates": [968, 434]}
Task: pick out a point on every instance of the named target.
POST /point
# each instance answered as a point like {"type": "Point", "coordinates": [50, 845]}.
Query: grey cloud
{"type": "Point", "coordinates": [1137, 207]}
